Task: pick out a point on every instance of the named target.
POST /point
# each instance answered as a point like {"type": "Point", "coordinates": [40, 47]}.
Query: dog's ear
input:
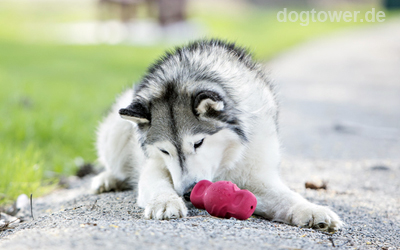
{"type": "Point", "coordinates": [206, 101]}
{"type": "Point", "coordinates": [136, 112]}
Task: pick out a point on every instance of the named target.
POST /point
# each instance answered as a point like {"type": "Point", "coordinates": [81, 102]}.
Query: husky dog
{"type": "Point", "coordinates": [205, 111]}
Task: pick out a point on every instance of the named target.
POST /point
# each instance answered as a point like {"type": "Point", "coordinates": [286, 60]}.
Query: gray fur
{"type": "Point", "coordinates": [184, 67]}
{"type": "Point", "coordinates": [203, 111]}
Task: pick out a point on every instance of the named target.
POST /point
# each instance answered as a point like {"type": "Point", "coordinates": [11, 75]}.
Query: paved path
{"type": "Point", "coordinates": [341, 95]}
{"type": "Point", "coordinates": [340, 118]}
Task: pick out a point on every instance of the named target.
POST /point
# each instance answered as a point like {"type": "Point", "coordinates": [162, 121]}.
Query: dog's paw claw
{"type": "Point", "coordinates": [316, 217]}
{"type": "Point", "coordinates": [165, 208]}
{"type": "Point", "coordinates": [321, 226]}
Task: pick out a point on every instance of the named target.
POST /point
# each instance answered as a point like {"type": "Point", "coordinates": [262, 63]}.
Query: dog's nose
{"type": "Point", "coordinates": [188, 191]}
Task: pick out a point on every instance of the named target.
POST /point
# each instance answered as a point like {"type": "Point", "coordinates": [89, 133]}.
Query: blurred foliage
{"type": "Point", "coordinates": [52, 96]}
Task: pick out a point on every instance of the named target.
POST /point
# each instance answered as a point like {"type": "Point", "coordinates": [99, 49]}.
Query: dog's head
{"type": "Point", "coordinates": [192, 132]}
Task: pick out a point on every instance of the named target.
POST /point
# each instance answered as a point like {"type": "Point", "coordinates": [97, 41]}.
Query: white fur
{"type": "Point", "coordinates": [118, 153]}
{"type": "Point", "coordinates": [252, 165]}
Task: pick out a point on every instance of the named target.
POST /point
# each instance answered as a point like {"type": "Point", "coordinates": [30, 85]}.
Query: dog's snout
{"type": "Point", "coordinates": [188, 191]}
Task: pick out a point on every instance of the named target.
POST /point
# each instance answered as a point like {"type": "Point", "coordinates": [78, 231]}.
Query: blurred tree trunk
{"type": "Point", "coordinates": [171, 11]}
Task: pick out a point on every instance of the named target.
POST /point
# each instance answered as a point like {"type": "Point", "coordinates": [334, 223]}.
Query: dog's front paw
{"type": "Point", "coordinates": [106, 182]}
{"type": "Point", "coordinates": [103, 182]}
{"type": "Point", "coordinates": [165, 207]}
{"type": "Point", "coordinates": [316, 217]}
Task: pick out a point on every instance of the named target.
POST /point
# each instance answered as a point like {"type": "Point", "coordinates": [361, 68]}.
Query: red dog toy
{"type": "Point", "coordinates": [223, 199]}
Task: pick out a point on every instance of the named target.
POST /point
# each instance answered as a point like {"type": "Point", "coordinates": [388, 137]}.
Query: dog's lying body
{"type": "Point", "coordinates": [205, 111]}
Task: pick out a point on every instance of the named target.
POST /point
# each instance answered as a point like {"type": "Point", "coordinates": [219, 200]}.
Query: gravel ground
{"type": "Point", "coordinates": [340, 117]}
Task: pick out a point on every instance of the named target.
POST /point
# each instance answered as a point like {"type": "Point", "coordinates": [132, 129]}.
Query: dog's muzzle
{"type": "Point", "coordinates": [188, 191]}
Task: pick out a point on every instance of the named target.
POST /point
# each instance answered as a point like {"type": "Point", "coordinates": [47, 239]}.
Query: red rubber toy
{"type": "Point", "coordinates": [223, 199]}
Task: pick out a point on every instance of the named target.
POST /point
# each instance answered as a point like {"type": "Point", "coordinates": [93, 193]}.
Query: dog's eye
{"type": "Point", "coordinates": [165, 152]}
{"type": "Point", "coordinates": [198, 144]}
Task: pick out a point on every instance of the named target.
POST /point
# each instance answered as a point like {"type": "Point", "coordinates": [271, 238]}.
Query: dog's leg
{"type": "Point", "coordinates": [157, 195]}
{"type": "Point", "coordinates": [116, 155]}
{"type": "Point", "coordinates": [275, 201]}
{"type": "Point", "coordinates": [117, 150]}
{"type": "Point", "coordinates": [278, 203]}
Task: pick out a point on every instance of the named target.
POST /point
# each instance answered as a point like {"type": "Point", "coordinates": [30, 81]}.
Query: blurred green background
{"type": "Point", "coordinates": [54, 89]}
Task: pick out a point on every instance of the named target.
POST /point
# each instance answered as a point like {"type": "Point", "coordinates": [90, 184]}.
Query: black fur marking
{"type": "Point", "coordinates": [232, 122]}
{"type": "Point", "coordinates": [182, 160]}
{"type": "Point", "coordinates": [136, 109]}
{"type": "Point", "coordinates": [170, 94]}
{"type": "Point", "coordinates": [239, 132]}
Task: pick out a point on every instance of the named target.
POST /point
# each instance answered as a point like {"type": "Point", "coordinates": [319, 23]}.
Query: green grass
{"type": "Point", "coordinates": [53, 96]}
{"type": "Point", "coordinates": [56, 98]}
{"type": "Point", "coordinates": [14, 161]}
